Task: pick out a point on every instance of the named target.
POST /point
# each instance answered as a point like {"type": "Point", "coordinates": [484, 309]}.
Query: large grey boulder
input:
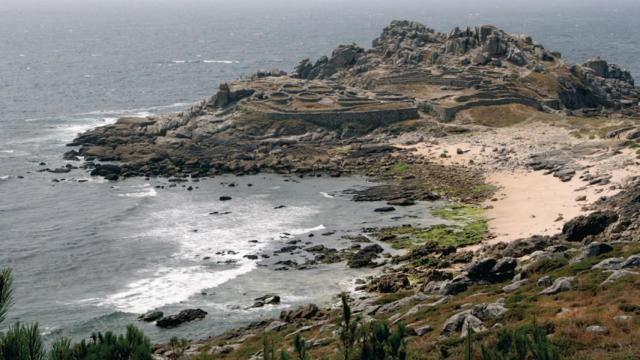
{"type": "Point", "coordinates": [609, 264]}
{"type": "Point", "coordinates": [592, 250]}
{"type": "Point", "coordinates": [632, 262]}
{"type": "Point", "coordinates": [473, 318]}
{"type": "Point", "coordinates": [560, 285]}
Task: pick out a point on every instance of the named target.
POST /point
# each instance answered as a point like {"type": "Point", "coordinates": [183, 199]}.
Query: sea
{"type": "Point", "coordinates": [91, 255]}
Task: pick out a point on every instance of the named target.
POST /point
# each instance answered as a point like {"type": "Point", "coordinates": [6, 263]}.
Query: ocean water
{"type": "Point", "coordinates": [90, 255]}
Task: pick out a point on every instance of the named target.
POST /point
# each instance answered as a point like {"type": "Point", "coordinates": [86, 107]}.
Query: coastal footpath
{"type": "Point", "coordinates": [537, 158]}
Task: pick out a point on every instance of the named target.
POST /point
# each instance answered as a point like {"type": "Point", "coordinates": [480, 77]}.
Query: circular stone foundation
{"type": "Point", "coordinates": [308, 97]}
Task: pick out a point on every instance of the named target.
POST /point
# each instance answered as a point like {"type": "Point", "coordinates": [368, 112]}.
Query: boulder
{"type": "Point", "coordinates": [592, 250]}
{"type": "Point", "coordinates": [617, 275]}
{"type": "Point", "coordinates": [514, 286]}
{"type": "Point", "coordinates": [492, 270]}
{"type": "Point", "coordinates": [473, 318]}
{"type": "Point", "coordinates": [545, 281]}
{"type": "Point", "coordinates": [609, 264]}
{"type": "Point", "coordinates": [181, 318]}
{"type": "Point", "coordinates": [423, 330]}
{"type": "Point", "coordinates": [632, 262]}
{"type": "Point", "coordinates": [302, 313]}
{"type": "Point", "coordinates": [593, 224]}
{"type": "Point", "coordinates": [385, 209]}
{"type": "Point", "coordinates": [390, 283]}
{"type": "Point", "coordinates": [560, 285]}
{"type": "Point", "coordinates": [365, 256]}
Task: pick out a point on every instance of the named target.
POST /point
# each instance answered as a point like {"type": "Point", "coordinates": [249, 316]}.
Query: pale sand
{"type": "Point", "coordinates": [530, 203]}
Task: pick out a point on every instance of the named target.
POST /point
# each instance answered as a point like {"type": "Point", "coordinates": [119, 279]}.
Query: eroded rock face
{"type": "Point", "coordinates": [390, 283]}
{"type": "Point", "coordinates": [308, 311]}
{"type": "Point", "coordinates": [593, 224]}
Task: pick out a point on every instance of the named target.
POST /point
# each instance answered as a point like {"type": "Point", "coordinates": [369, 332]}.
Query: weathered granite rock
{"type": "Point", "coordinates": [559, 285]}
{"type": "Point", "coordinates": [390, 283]}
{"type": "Point", "coordinates": [304, 312]}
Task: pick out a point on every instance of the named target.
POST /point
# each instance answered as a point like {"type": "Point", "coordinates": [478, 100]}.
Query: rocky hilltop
{"type": "Point", "coordinates": [539, 155]}
{"type": "Point", "coordinates": [411, 76]}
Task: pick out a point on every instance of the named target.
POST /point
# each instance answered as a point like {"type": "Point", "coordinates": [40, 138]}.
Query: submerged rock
{"type": "Point", "coordinates": [151, 316]}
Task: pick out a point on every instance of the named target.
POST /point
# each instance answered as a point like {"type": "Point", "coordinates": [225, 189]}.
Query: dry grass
{"type": "Point", "coordinates": [499, 115]}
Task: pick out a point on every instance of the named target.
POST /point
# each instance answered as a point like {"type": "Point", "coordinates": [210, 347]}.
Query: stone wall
{"type": "Point", "coordinates": [333, 119]}
{"type": "Point", "coordinates": [448, 113]}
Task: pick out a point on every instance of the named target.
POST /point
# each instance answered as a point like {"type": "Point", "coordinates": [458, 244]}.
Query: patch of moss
{"type": "Point", "coordinates": [400, 168]}
{"type": "Point", "coordinates": [470, 228]}
{"type": "Point", "coordinates": [459, 212]}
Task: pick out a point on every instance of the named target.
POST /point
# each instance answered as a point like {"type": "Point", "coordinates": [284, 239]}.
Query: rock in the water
{"type": "Point", "coordinates": [592, 224]}
{"type": "Point", "coordinates": [385, 209]}
{"type": "Point", "coordinates": [365, 256]}
{"type": "Point", "coordinates": [225, 198]}
{"type": "Point", "coordinates": [151, 316]}
{"type": "Point", "coordinates": [181, 318]}
{"type": "Point", "coordinates": [401, 202]}
{"type": "Point", "coordinates": [560, 285]}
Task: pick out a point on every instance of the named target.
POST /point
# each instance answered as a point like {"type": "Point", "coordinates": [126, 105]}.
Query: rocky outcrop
{"type": "Point", "coordinates": [593, 224]}
{"type": "Point", "coordinates": [181, 318]}
{"type": "Point", "coordinates": [365, 256]}
{"type": "Point", "coordinates": [343, 57]}
{"type": "Point", "coordinates": [309, 311]}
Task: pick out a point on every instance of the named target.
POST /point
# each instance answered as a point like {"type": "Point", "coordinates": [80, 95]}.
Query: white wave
{"type": "Point", "coordinates": [5, 177]}
{"type": "Point", "coordinates": [179, 61]}
{"type": "Point", "coordinates": [148, 192]}
{"type": "Point", "coordinates": [327, 195]}
{"type": "Point", "coordinates": [220, 61]}
{"type": "Point", "coordinates": [182, 275]}
{"type": "Point", "coordinates": [171, 286]}
{"type": "Point", "coordinates": [306, 231]}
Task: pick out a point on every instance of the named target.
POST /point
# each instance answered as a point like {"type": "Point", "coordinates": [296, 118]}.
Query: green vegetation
{"type": "Point", "coordinates": [24, 342]}
{"type": "Point", "coordinates": [529, 342]}
{"type": "Point", "coordinates": [400, 168]}
{"type": "Point", "coordinates": [470, 228]}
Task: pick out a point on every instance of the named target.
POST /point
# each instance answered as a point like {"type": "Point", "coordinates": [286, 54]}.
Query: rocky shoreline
{"type": "Point", "coordinates": [434, 116]}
